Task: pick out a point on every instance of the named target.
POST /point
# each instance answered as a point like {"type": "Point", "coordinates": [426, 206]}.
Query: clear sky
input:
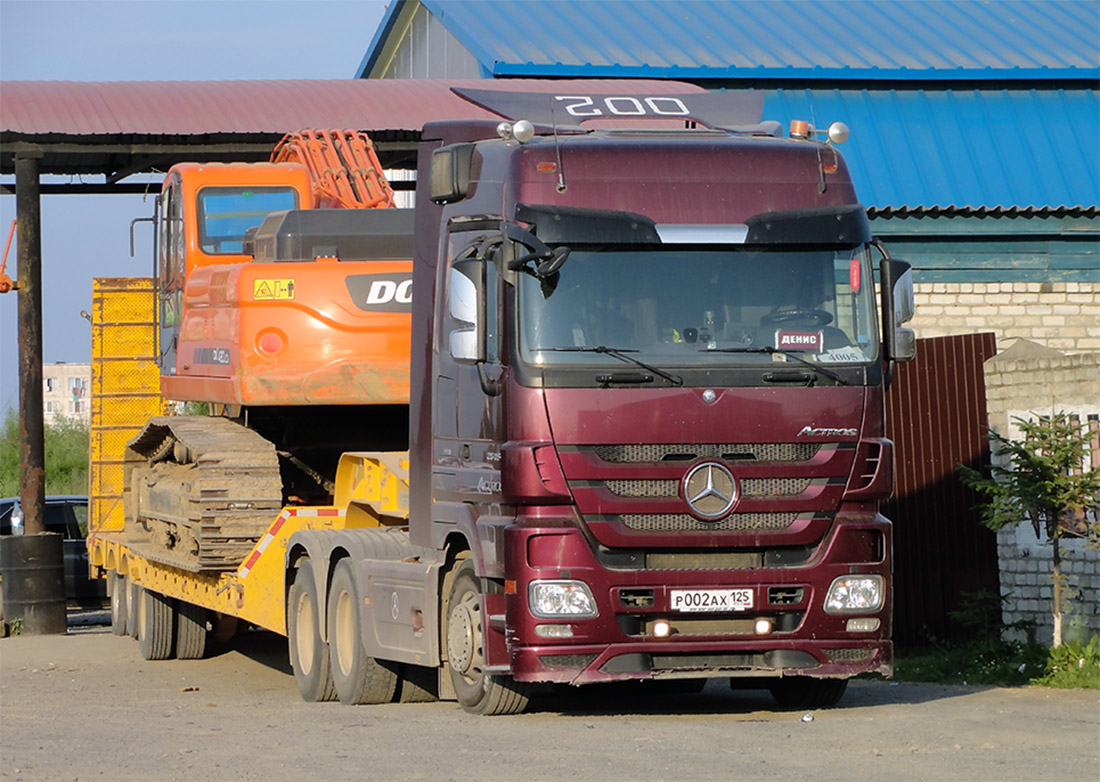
{"type": "Point", "coordinates": [145, 40]}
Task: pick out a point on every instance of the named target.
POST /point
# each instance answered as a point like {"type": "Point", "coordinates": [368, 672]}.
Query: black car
{"type": "Point", "coordinates": [68, 515]}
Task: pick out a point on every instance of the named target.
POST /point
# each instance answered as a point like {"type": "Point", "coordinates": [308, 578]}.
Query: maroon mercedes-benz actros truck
{"type": "Point", "coordinates": [647, 431]}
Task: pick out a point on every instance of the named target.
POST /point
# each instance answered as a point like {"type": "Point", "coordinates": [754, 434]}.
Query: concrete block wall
{"type": "Point", "coordinates": [1024, 382]}
{"type": "Point", "coordinates": [1060, 315]}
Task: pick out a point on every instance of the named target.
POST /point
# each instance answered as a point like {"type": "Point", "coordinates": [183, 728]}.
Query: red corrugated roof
{"type": "Point", "coordinates": [224, 107]}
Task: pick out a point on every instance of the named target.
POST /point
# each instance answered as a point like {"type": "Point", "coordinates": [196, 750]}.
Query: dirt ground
{"type": "Point", "coordinates": [86, 706]}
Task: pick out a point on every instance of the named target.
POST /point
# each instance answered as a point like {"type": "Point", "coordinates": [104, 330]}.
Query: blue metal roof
{"type": "Point", "coordinates": [959, 148]}
{"type": "Point", "coordinates": [789, 39]}
{"type": "Point", "coordinates": [973, 104]}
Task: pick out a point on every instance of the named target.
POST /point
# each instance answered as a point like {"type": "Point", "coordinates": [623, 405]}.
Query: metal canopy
{"type": "Point", "coordinates": [117, 129]}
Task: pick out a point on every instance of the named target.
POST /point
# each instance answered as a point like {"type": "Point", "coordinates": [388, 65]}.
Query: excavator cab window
{"type": "Point", "coordinates": [227, 213]}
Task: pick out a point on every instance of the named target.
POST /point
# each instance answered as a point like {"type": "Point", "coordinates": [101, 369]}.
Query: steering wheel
{"type": "Point", "coordinates": [814, 317]}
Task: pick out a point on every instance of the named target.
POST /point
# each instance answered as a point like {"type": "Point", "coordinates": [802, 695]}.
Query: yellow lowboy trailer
{"type": "Point", "coordinates": [371, 490]}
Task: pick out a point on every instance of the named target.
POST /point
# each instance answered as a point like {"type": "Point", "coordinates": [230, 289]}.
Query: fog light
{"type": "Point", "coordinates": [863, 624]}
{"type": "Point", "coordinates": [554, 631]}
{"type": "Point", "coordinates": [855, 594]}
{"type": "Point", "coordinates": [661, 628]}
{"type": "Point", "coordinates": [763, 626]}
{"type": "Point", "coordinates": [561, 598]}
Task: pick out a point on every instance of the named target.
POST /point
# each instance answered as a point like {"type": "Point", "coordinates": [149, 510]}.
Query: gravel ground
{"type": "Point", "coordinates": [86, 706]}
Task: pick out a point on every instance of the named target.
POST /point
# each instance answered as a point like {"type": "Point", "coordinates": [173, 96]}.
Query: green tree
{"type": "Point", "coordinates": [66, 445]}
{"type": "Point", "coordinates": [1040, 478]}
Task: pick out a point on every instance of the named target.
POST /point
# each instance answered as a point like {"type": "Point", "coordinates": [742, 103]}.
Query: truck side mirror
{"type": "Point", "coordinates": [464, 306]}
{"type": "Point", "coordinates": [896, 278]}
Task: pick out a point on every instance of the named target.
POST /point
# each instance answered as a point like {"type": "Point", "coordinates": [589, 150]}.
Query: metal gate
{"type": "Point", "coordinates": [936, 416]}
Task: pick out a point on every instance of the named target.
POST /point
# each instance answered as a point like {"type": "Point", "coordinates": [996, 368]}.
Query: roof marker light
{"type": "Point", "coordinates": [800, 128]}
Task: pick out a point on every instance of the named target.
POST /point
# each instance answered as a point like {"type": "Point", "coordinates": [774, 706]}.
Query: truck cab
{"type": "Point", "coordinates": [652, 415]}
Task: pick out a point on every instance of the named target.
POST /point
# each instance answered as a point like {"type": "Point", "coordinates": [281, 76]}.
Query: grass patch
{"type": "Point", "coordinates": [983, 658]}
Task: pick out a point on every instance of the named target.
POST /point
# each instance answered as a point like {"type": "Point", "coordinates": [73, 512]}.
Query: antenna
{"type": "Point", "coordinates": [557, 148]}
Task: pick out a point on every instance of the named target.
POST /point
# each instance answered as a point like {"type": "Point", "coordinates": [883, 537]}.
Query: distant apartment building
{"type": "Point", "coordinates": [66, 390]}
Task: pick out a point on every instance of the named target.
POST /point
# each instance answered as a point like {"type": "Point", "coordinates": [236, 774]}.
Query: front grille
{"type": "Point", "coordinates": [750, 487]}
{"type": "Point", "coordinates": [730, 452]}
{"type": "Point", "coordinates": [682, 522]}
{"type": "Point", "coordinates": [849, 655]}
{"type": "Point", "coordinates": [566, 660]}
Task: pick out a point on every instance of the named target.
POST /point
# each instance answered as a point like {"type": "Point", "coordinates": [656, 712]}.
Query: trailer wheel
{"type": "Point", "coordinates": [119, 601]}
{"type": "Point", "coordinates": [133, 607]}
{"type": "Point", "coordinates": [190, 631]}
{"type": "Point", "coordinates": [359, 678]}
{"type": "Point", "coordinates": [308, 653]}
{"type": "Point", "coordinates": [802, 692]}
{"type": "Point", "coordinates": [478, 692]}
{"type": "Point", "coordinates": [156, 634]}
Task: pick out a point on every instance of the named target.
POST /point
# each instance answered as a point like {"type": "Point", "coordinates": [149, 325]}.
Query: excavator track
{"type": "Point", "coordinates": [201, 491]}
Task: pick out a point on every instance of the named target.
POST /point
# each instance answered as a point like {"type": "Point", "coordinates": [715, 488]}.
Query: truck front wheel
{"type": "Point", "coordinates": [358, 677]}
{"type": "Point", "coordinates": [478, 692]}
{"type": "Point", "coordinates": [308, 653]}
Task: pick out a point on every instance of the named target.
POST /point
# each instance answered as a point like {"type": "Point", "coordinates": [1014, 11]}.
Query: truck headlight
{"type": "Point", "coordinates": [855, 594]}
{"type": "Point", "coordinates": [561, 598]}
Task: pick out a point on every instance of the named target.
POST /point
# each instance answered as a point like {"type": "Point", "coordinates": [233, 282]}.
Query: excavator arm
{"type": "Point", "coordinates": [343, 168]}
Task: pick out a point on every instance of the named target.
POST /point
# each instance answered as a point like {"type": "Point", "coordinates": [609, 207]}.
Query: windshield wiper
{"type": "Point", "coordinates": [788, 353]}
{"type": "Point", "coordinates": [621, 354]}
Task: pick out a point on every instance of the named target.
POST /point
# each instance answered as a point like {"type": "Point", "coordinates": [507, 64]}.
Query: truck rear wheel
{"type": "Point", "coordinates": [119, 601]}
{"type": "Point", "coordinates": [190, 631]}
{"type": "Point", "coordinates": [359, 678]}
{"type": "Point", "coordinates": [802, 692]}
{"type": "Point", "coordinates": [417, 684]}
{"type": "Point", "coordinates": [308, 653]}
{"type": "Point", "coordinates": [156, 634]}
{"type": "Point", "coordinates": [478, 692]}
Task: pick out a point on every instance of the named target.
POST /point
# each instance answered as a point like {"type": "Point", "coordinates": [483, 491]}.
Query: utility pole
{"type": "Point", "coordinates": [32, 564]}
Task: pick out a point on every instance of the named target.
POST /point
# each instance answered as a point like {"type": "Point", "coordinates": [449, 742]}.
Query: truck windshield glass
{"type": "Point", "coordinates": [226, 214]}
{"type": "Point", "coordinates": [680, 306]}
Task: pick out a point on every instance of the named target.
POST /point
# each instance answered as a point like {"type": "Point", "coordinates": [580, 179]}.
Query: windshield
{"type": "Point", "coordinates": [226, 214]}
{"type": "Point", "coordinates": [678, 306]}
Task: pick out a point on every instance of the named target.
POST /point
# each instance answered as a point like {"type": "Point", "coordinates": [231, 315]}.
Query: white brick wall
{"type": "Point", "coordinates": [1061, 315]}
{"type": "Point", "coordinates": [1043, 384]}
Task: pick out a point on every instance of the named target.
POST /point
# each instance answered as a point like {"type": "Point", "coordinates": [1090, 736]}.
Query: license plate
{"type": "Point", "coordinates": [710, 600]}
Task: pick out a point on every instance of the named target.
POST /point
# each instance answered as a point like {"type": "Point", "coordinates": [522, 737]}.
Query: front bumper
{"type": "Point", "coordinates": [637, 634]}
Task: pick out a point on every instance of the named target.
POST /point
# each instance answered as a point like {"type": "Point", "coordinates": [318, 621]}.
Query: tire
{"type": "Point", "coordinates": [308, 653]}
{"type": "Point", "coordinates": [417, 684]}
{"type": "Point", "coordinates": [190, 631]}
{"type": "Point", "coordinates": [802, 692]}
{"type": "Point", "coordinates": [133, 607]}
{"type": "Point", "coordinates": [478, 692]}
{"type": "Point", "coordinates": [119, 602]}
{"type": "Point", "coordinates": [156, 626]}
{"type": "Point", "coordinates": [358, 677]}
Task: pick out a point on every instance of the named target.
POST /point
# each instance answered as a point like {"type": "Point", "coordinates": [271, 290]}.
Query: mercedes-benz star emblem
{"type": "Point", "coordinates": [710, 490]}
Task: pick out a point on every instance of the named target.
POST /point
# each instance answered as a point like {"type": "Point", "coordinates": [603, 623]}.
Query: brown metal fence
{"type": "Point", "coordinates": [936, 416]}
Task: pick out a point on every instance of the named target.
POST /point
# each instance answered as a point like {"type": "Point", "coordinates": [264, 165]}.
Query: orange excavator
{"type": "Point", "coordinates": [284, 301]}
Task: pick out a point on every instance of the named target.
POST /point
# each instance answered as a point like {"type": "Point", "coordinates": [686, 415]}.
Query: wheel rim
{"type": "Point", "coordinates": [464, 641]}
{"type": "Point", "coordinates": [345, 632]}
{"type": "Point", "coordinates": [303, 633]}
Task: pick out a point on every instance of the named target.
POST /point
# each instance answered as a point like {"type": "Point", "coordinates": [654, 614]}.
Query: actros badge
{"type": "Point", "coordinates": [381, 292]}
